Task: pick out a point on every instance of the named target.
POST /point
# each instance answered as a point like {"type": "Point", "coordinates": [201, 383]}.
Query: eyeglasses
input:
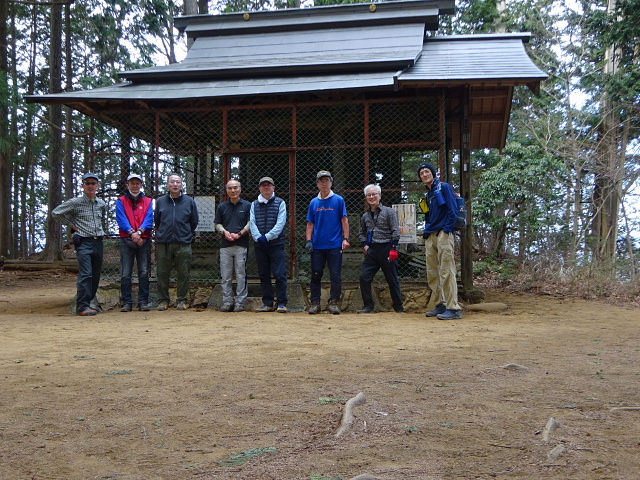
{"type": "Point", "coordinates": [372, 194]}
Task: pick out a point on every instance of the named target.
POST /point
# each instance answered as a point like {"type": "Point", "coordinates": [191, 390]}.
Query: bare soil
{"type": "Point", "coordinates": [205, 395]}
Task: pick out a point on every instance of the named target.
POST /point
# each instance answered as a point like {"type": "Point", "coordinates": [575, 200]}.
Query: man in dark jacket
{"type": "Point", "coordinates": [441, 212]}
{"type": "Point", "coordinates": [176, 219]}
{"type": "Point", "coordinates": [379, 236]}
{"type": "Point", "coordinates": [134, 214]}
{"type": "Point", "coordinates": [268, 220]}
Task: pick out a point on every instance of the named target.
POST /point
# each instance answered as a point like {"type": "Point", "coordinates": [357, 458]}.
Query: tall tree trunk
{"type": "Point", "coordinates": [52, 250]}
{"type": "Point", "coordinates": [68, 115]}
{"type": "Point", "coordinates": [609, 174]}
{"type": "Point", "coordinates": [190, 7]}
{"type": "Point", "coordinates": [6, 237]}
{"type": "Point", "coordinates": [26, 185]}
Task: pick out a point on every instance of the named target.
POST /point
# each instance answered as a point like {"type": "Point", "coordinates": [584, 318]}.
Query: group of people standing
{"type": "Point", "coordinates": [175, 219]}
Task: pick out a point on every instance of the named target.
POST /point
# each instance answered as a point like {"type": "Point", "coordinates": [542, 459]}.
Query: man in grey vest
{"type": "Point", "coordinates": [268, 221]}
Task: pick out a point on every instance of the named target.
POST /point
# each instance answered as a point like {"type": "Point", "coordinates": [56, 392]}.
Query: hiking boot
{"type": "Point", "coordinates": [126, 307]}
{"type": "Point", "coordinates": [440, 309]}
{"type": "Point", "coordinates": [366, 310]}
{"type": "Point", "coordinates": [264, 308]}
{"type": "Point", "coordinates": [400, 310]}
{"type": "Point", "coordinates": [144, 307]}
{"type": "Point", "coordinates": [282, 309]}
{"type": "Point", "coordinates": [87, 312]}
{"type": "Point", "coordinates": [333, 307]}
{"type": "Point", "coordinates": [227, 307]}
{"type": "Point", "coordinates": [162, 306]}
{"type": "Point", "coordinates": [314, 308]}
{"type": "Point", "coordinates": [238, 308]}
{"type": "Point", "coordinates": [182, 305]}
{"type": "Point", "coordinates": [450, 315]}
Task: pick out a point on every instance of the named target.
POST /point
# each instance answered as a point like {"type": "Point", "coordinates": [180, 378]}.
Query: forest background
{"type": "Point", "coordinates": [556, 208]}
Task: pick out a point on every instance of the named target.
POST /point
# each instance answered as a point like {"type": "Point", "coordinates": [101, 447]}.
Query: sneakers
{"type": "Point", "coordinates": [227, 307]}
{"type": "Point", "coordinates": [162, 306]}
{"type": "Point", "coordinates": [182, 305]}
{"type": "Point", "coordinates": [144, 307]}
{"type": "Point", "coordinates": [314, 309]}
{"type": "Point", "coordinates": [264, 308]}
{"type": "Point", "coordinates": [333, 307]}
{"type": "Point", "coordinates": [438, 310]}
{"type": "Point", "coordinates": [238, 308]}
{"type": "Point", "coordinates": [87, 312]}
{"type": "Point", "coordinates": [281, 309]}
{"type": "Point", "coordinates": [450, 315]}
{"type": "Point", "coordinates": [126, 307]}
{"type": "Point", "coordinates": [366, 310]}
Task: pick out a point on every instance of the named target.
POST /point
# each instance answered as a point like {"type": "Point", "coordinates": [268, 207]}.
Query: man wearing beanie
{"type": "Point", "coordinates": [440, 211]}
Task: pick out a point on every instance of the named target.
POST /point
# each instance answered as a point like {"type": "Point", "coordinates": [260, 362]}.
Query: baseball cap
{"type": "Point", "coordinates": [87, 176]}
{"type": "Point", "coordinates": [266, 179]}
{"type": "Point", "coordinates": [324, 173]}
{"type": "Point", "coordinates": [135, 175]}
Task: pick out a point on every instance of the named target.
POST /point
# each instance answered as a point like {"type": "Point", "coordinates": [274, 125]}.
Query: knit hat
{"type": "Point", "coordinates": [429, 166]}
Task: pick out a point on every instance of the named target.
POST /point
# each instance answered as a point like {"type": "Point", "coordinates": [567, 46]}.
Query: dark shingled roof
{"type": "Point", "coordinates": [379, 47]}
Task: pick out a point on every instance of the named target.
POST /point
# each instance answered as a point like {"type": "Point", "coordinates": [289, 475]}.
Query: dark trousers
{"type": "Point", "coordinates": [331, 257]}
{"type": "Point", "coordinates": [272, 261]}
{"type": "Point", "coordinates": [141, 254]}
{"type": "Point", "coordinates": [89, 254]}
{"type": "Point", "coordinates": [170, 256]}
{"type": "Point", "coordinates": [378, 258]}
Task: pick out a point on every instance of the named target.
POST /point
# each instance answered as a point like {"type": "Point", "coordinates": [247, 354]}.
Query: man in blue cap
{"type": "Point", "coordinates": [441, 212]}
{"type": "Point", "coordinates": [84, 215]}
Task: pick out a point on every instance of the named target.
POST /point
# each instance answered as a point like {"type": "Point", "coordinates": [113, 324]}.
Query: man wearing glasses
{"type": "Point", "coordinates": [84, 215]}
{"type": "Point", "coordinates": [379, 235]}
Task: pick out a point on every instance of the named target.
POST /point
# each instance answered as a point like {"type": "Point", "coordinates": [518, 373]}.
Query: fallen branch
{"type": "Point", "coordinates": [625, 409]}
{"type": "Point", "coordinates": [347, 415]}
{"type": "Point", "coordinates": [364, 476]}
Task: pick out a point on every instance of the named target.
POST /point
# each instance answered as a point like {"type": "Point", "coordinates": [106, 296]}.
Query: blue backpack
{"type": "Point", "coordinates": [461, 221]}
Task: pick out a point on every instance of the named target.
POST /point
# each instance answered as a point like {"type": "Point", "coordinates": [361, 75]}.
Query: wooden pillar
{"type": "Point", "coordinates": [466, 251]}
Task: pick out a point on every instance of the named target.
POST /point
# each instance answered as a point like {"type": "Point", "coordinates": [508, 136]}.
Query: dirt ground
{"type": "Point", "coordinates": [205, 395]}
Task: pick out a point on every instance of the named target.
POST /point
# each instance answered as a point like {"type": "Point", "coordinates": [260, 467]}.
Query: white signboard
{"type": "Point", "coordinates": [206, 213]}
{"type": "Point", "coordinates": [407, 222]}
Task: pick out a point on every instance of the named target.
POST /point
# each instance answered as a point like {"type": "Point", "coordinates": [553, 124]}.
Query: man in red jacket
{"type": "Point", "coordinates": [134, 214]}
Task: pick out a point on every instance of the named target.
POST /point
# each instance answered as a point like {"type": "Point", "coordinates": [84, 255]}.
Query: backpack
{"type": "Point", "coordinates": [461, 221]}
{"type": "Point", "coordinates": [461, 205]}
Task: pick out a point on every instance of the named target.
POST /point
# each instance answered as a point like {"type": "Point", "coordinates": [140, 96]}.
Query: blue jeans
{"type": "Point", "coordinates": [332, 257]}
{"type": "Point", "coordinates": [141, 254]}
{"type": "Point", "coordinates": [89, 254]}
{"type": "Point", "coordinates": [272, 261]}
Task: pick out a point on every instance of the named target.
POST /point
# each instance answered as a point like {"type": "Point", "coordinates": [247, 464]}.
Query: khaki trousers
{"type": "Point", "coordinates": [441, 271]}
